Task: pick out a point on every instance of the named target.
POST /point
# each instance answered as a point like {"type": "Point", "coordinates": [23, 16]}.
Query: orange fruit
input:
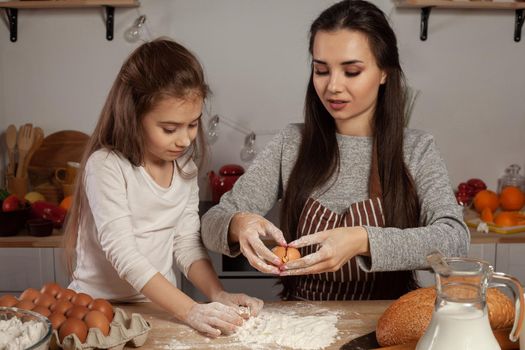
{"type": "Point", "coordinates": [484, 199]}
{"type": "Point", "coordinates": [506, 218]}
{"type": "Point", "coordinates": [511, 198]}
{"type": "Point", "coordinates": [486, 215]}
{"type": "Point", "coordinates": [67, 202]}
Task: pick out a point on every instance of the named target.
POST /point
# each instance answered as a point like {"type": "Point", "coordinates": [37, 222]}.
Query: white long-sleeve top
{"type": "Point", "coordinates": [134, 228]}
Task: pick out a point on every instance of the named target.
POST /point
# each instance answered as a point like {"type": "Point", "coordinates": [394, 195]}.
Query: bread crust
{"type": "Point", "coordinates": [407, 318]}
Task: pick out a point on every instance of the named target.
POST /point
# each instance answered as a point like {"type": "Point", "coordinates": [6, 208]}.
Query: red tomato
{"type": "Point", "coordinates": [11, 203]}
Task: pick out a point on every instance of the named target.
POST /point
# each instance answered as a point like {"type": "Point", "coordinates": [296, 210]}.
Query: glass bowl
{"type": "Point", "coordinates": [6, 313]}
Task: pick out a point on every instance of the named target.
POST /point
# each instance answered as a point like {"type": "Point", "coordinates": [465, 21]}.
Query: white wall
{"type": "Point", "coordinates": [469, 71]}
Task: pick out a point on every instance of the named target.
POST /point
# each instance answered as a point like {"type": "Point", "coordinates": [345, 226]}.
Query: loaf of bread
{"type": "Point", "coordinates": [407, 318]}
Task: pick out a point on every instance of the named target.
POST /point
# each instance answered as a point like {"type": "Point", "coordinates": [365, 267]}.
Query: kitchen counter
{"type": "Point", "coordinates": [356, 318]}
{"type": "Point", "coordinates": [54, 241]}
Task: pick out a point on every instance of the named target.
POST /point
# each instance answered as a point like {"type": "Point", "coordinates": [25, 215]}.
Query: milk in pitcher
{"type": "Point", "coordinates": [458, 326]}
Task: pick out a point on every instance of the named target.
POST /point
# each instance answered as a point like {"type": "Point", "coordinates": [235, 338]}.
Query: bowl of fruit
{"type": "Point", "coordinates": [13, 215]}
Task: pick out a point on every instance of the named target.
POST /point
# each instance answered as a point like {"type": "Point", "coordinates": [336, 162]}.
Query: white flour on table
{"type": "Point", "coordinates": [288, 330]}
{"type": "Point", "coordinates": [16, 335]}
{"type": "Point", "coordinates": [275, 328]}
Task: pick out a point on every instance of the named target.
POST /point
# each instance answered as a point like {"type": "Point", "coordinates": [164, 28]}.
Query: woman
{"type": "Point", "coordinates": [365, 199]}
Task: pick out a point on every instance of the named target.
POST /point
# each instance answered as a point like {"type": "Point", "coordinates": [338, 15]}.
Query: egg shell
{"type": "Point", "coordinates": [44, 300]}
{"type": "Point", "coordinates": [73, 326]}
{"type": "Point", "coordinates": [81, 299]}
{"type": "Point", "coordinates": [25, 304]}
{"type": "Point", "coordinates": [51, 288]}
{"type": "Point", "coordinates": [44, 311]}
{"type": "Point", "coordinates": [29, 294]}
{"type": "Point", "coordinates": [96, 319]}
{"type": "Point", "coordinates": [61, 306]}
{"type": "Point", "coordinates": [66, 293]}
{"type": "Point", "coordinates": [56, 319]}
{"type": "Point", "coordinates": [8, 300]}
{"type": "Point", "coordinates": [77, 311]}
{"type": "Point", "coordinates": [286, 254]}
{"type": "Point", "coordinates": [103, 306]}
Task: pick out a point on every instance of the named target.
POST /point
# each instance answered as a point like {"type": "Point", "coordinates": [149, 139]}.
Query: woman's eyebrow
{"type": "Point", "coordinates": [342, 63]}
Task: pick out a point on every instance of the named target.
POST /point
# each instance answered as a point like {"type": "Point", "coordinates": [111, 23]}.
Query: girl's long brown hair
{"type": "Point", "coordinates": [156, 70]}
{"type": "Point", "coordinates": [318, 159]}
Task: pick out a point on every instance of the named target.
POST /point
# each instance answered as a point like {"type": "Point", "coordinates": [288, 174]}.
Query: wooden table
{"type": "Point", "coordinates": [356, 318]}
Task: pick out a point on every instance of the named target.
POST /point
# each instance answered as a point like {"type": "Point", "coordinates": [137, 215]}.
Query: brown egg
{"type": "Point", "coordinates": [44, 311]}
{"type": "Point", "coordinates": [66, 293]}
{"type": "Point", "coordinates": [81, 299]}
{"type": "Point", "coordinates": [96, 319]}
{"type": "Point", "coordinates": [56, 319]}
{"type": "Point", "coordinates": [25, 304]}
{"type": "Point", "coordinates": [73, 326]}
{"type": "Point", "coordinates": [61, 306]}
{"type": "Point", "coordinates": [44, 300]}
{"type": "Point", "coordinates": [51, 288]}
{"type": "Point", "coordinates": [103, 306]}
{"type": "Point", "coordinates": [286, 254]}
{"type": "Point", "coordinates": [8, 300]}
{"type": "Point", "coordinates": [77, 311]}
{"type": "Point", "coordinates": [29, 294]}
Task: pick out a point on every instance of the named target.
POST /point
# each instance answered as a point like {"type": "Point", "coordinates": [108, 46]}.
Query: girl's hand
{"type": "Point", "coordinates": [213, 319]}
{"type": "Point", "coordinates": [247, 229]}
{"type": "Point", "coordinates": [254, 305]}
{"type": "Point", "coordinates": [337, 247]}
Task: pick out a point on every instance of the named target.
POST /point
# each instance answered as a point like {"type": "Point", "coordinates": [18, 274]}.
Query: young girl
{"type": "Point", "coordinates": [135, 210]}
{"type": "Point", "coordinates": [361, 196]}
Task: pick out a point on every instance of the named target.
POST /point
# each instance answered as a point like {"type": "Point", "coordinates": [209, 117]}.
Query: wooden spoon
{"type": "Point", "coordinates": [10, 140]}
{"type": "Point", "coordinates": [25, 141]}
{"type": "Point", "coordinates": [37, 142]}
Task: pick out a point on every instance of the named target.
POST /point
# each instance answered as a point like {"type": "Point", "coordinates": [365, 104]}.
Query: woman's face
{"type": "Point", "coordinates": [347, 79]}
{"type": "Point", "coordinates": [170, 127]}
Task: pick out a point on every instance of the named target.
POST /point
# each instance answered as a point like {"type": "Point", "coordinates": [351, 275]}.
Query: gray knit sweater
{"type": "Point", "coordinates": [441, 225]}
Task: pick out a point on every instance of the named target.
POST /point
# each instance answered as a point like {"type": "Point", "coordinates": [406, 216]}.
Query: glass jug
{"type": "Point", "coordinates": [460, 319]}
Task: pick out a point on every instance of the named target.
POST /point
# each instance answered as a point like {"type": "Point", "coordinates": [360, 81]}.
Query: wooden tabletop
{"type": "Point", "coordinates": [355, 318]}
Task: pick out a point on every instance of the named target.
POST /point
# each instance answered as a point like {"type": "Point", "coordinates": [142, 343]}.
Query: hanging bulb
{"type": "Point", "coordinates": [213, 125]}
{"type": "Point", "coordinates": [248, 152]}
{"type": "Point", "coordinates": [134, 33]}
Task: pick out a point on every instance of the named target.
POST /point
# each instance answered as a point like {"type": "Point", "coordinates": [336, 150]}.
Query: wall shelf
{"type": "Point", "coordinates": [427, 5]}
{"type": "Point", "coordinates": [11, 9]}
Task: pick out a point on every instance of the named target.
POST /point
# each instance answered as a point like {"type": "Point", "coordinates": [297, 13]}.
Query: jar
{"type": "Point", "coordinates": [512, 177]}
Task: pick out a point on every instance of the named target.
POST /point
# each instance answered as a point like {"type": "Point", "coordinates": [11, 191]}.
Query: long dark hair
{"type": "Point", "coordinates": [156, 70]}
{"type": "Point", "coordinates": [319, 159]}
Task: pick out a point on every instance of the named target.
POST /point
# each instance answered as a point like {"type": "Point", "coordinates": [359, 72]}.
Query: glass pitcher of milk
{"type": "Point", "coordinates": [460, 319]}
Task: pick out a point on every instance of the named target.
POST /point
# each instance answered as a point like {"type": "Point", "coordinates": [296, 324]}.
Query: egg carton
{"type": "Point", "coordinates": [124, 331]}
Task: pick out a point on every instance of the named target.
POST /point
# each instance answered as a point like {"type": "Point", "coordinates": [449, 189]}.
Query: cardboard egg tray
{"type": "Point", "coordinates": [124, 330]}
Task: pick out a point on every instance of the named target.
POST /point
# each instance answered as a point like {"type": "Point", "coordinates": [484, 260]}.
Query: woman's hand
{"type": "Point", "coordinates": [337, 247]}
{"type": "Point", "coordinates": [213, 319]}
{"type": "Point", "coordinates": [254, 305]}
{"type": "Point", "coordinates": [247, 229]}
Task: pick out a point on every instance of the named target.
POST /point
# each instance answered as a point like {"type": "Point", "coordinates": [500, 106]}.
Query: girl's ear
{"type": "Point", "coordinates": [383, 77]}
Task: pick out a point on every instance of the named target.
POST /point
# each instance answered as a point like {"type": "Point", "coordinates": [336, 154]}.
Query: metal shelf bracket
{"type": "Point", "coordinates": [110, 20]}
{"type": "Point", "coordinates": [12, 20]}
{"type": "Point", "coordinates": [518, 25]}
{"type": "Point", "coordinates": [425, 14]}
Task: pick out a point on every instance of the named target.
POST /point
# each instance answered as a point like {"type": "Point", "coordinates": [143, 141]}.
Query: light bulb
{"type": "Point", "coordinates": [248, 152]}
{"type": "Point", "coordinates": [134, 33]}
{"type": "Point", "coordinates": [213, 125]}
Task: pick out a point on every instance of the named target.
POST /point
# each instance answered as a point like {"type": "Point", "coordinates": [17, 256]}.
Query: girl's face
{"type": "Point", "coordinates": [347, 79]}
{"type": "Point", "coordinates": [170, 128]}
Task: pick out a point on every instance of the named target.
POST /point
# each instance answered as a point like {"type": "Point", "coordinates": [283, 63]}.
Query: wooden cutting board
{"type": "Point", "coordinates": [56, 150]}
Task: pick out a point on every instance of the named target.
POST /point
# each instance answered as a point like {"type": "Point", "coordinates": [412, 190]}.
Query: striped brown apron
{"type": "Point", "coordinates": [349, 282]}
